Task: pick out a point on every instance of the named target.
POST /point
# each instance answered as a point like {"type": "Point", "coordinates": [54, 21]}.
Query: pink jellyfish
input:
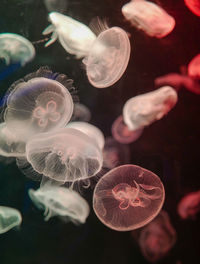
{"type": "Point", "coordinates": [194, 67]}
{"type": "Point", "coordinates": [128, 197]}
{"type": "Point", "coordinates": [194, 6]}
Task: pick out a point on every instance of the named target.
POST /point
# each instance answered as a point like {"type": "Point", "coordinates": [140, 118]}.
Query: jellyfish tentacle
{"type": "Point", "coordinates": [53, 38]}
{"type": "Point", "coordinates": [49, 29]}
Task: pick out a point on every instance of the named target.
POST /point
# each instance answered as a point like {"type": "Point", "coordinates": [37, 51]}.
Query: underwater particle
{"type": "Point", "coordinates": [189, 205]}
{"type": "Point", "coordinates": [9, 218]}
{"type": "Point", "coordinates": [194, 67]}
{"type": "Point", "coordinates": [81, 113]}
{"type": "Point", "coordinates": [149, 17]}
{"type": "Point", "coordinates": [62, 202]}
{"type": "Point", "coordinates": [16, 49]}
{"type": "Point", "coordinates": [128, 197]}
{"type": "Point", "coordinates": [75, 37]}
{"type": "Point", "coordinates": [193, 6]}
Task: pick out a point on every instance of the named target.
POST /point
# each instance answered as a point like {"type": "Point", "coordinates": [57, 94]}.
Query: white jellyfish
{"type": "Point", "coordinates": [16, 49]}
{"type": "Point", "coordinates": [9, 218]}
{"type": "Point", "coordinates": [62, 202]}
{"type": "Point", "coordinates": [75, 37]}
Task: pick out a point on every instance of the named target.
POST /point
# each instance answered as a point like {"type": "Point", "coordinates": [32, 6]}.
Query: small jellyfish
{"type": "Point", "coordinates": [9, 218]}
{"type": "Point", "coordinates": [149, 17]}
{"type": "Point", "coordinates": [62, 202]}
{"type": "Point", "coordinates": [108, 57]}
{"type": "Point", "coordinates": [194, 65]}
{"type": "Point", "coordinates": [38, 103]}
{"type": "Point", "coordinates": [75, 37]}
{"type": "Point", "coordinates": [16, 49]}
{"type": "Point", "coordinates": [189, 205]}
{"type": "Point", "coordinates": [81, 113]}
{"type": "Point", "coordinates": [194, 6]}
{"type": "Point", "coordinates": [90, 130]}
{"type": "Point", "coordinates": [128, 197]}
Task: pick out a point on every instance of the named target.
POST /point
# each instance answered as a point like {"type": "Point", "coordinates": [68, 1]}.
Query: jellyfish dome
{"type": "Point", "coordinates": [128, 197]}
{"type": "Point", "coordinates": [193, 6]}
{"type": "Point", "coordinates": [108, 57]}
{"type": "Point", "coordinates": [92, 131]}
{"type": "Point", "coordinates": [194, 66]}
{"type": "Point", "coordinates": [38, 104]}
{"type": "Point", "coordinates": [75, 37]}
{"type": "Point", "coordinates": [81, 113]}
{"type": "Point", "coordinates": [9, 218]}
{"type": "Point", "coordinates": [64, 155]}
{"type": "Point", "coordinates": [62, 202]}
{"type": "Point", "coordinates": [16, 49]}
{"type": "Point", "coordinates": [142, 110]}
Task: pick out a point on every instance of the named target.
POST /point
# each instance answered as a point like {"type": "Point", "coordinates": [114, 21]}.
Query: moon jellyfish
{"type": "Point", "coordinates": [149, 17]}
{"type": "Point", "coordinates": [108, 57]}
{"type": "Point", "coordinates": [189, 205]}
{"type": "Point", "coordinates": [38, 104]}
{"type": "Point", "coordinates": [9, 218]}
{"type": "Point", "coordinates": [75, 37]}
{"type": "Point", "coordinates": [62, 202]}
{"type": "Point", "coordinates": [157, 238]}
{"type": "Point", "coordinates": [16, 49]}
{"type": "Point", "coordinates": [81, 113]}
{"type": "Point", "coordinates": [64, 155]}
{"type": "Point", "coordinates": [194, 66]}
{"type": "Point", "coordinates": [194, 6]}
{"type": "Point", "coordinates": [128, 197]}
{"type": "Point", "coordinates": [91, 131]}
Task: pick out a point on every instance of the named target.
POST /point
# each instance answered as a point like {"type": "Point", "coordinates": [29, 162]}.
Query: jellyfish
{"type": "Point", "coordinates": [193, 6]}
{"type": "Point", "coordinates": [157, 238]}
{"type": "Point", "coordinates": [40, 102]}
{"type": "Point", "coordinates": [75, 37]}
{"type": "Point", "coordinates": [149, 17]}
{"type": "Point", "coordinates": [9, 218]}
{"type": "Point", "coordinates": [194, 65]}
{"type": "Point", "coordinates": [189, 205]}
{"type": "Point", "coordinates": [128, 197]}
{"type": "Point", "coordinates": [56, 5]}
{"type": "Point", "coordinates": [108, 57]}
{"type": "Point", "coordinates": [81, 113]}
{"type": "Point", "coordinates": [62, 202]}
{"type": "Point", "coordinates": [16, 49]}
{"type": "Point", "coordinates": [91, 131]}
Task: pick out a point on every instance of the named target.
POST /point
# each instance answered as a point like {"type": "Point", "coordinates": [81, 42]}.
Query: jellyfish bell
{"type": "Point", "coordinates": [16, 49]}
{"type": "Point", "coordinates": [75, 37]}
{"type": "Point", "coordinates": [149, 17]}
{"type": "Point", "coordinates": [128, 197]}
{"type": "Point", "coordinates": [194, 65]}
{"type": "Point", "coordinates": [108, 57]}
{"type": "Point", "coordinates": [81, 113]}
{"type": "Point", "coordinates": [193, 6]}
{"type": "Point", "coordinates": [9, 218]}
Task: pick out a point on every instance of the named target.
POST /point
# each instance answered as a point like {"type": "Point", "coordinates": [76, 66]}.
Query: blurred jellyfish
{"type": "Point", "coordinates": [91, 131]}
{"type": "Point", "coordinates": [189, 205]}
{"type": "Point", "coordinates": [128, 197]}
{"type": "Point", "coordinates": [115, 154]}
{"type": "Point", "coordinates": [108, 57]}
{"type": "Point", "coordinates": [149, 17]}
{"type": "Point", "coordinates": [56, 5]}
{"type": "Point", "coordinates": [9, 218]}
{"type": "Point", "coordinates": [15, 49]}
{"type": "Point", "coordinates": [81, 113]}
{"type": "Point", "coordinates": [75, 37]}
{"type": "Point", "coordinates": [194, 65]}
{"type": "Point", "coordinates": [194, 6]}
{"type": "Point", "coordinates": [62, 202]}
{"type": "Point", "coordinates": [157, 238]}
{"type": "Point", "coordinates": [38, 103]}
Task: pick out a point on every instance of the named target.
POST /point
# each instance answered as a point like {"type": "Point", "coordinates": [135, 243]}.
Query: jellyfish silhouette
{"type": "Point", "coordinates": [81, 113]}
{"type": "Point", "coordinates": [9, 218]}
{"type": "Point", "coordinates": [128, 197]}
{"type": "Point", "coordinates": [193, 6]}
{"type": "Point", "coordinates": [194, 67]}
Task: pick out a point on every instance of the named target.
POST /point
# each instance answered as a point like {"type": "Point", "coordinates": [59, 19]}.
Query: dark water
{"type": "Point", "coordinates": [169, 147]}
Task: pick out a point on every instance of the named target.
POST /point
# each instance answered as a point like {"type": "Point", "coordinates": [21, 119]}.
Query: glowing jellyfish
{"type": "Point", "coordinates": [81, 113]}
{"type": "Point", "coordinates": [149, 17]}
{"type": "Point", "coordinates": [56, 5]}
{"type": "Point", "coordinates": [62, 202]}
{"type": "Point", "coordinates": [38, 103]}
{"type": "Point", "coordinates": [91, 131]}
{"type": "Point", "coordinates": [16, 49]}
{"type": "Point", "coordinates": [194, 6]}
{"type": "Point", "coordinates": [157, 238]}
{"type": "Point", "coordinates": [64, 155]}
{"type": "Point", "coordinates": [75, 37]}
{"type": "Point", "coordinates": [189, 205]}
{"type": "Point", "coordinates": [9, 218]}
{"type": "Point", "coordinates": [194, 66]}
{"type": "Point", "coordinates": [108, 57]}
{"type": "Point", "coordinates": [128, 197]}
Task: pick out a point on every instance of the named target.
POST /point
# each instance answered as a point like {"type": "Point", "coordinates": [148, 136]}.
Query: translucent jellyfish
{"type": "Point", "coordinates": [38, 103]}
{"type": "Point", "coordinates": [16, 49]}
{"type": "Point", "coordinates": [149, 17]}
{"type": "Point", "coordinates": [128, 197]}
{"type": "Point", "coordinates": [194, 6]}
{"type": "Point", "coordinates": [81, 113]}
{"type": "Point", "coordinates": [157, 238]}
{"type": "Point", "coordinates": [189, 205]}
{"type": "Point", "coordinates": [64, 155]}
{"type": "Point", "coordinates": [115, 154]}
{"type": "Point", "coordinates": [194, 65]}
{"type": "Point", "coordinates": [108, 57]}
{"type": "Point", "coordinates": [56, 5]}
{"type": "Point", "coordinates": [9, 218]}
{"type": "Point", "coordinates": [62, 202]}
{"type": "Point", "coordinates": [75, 37]}
{"type": "Point", "coordinates": [91, 131]}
